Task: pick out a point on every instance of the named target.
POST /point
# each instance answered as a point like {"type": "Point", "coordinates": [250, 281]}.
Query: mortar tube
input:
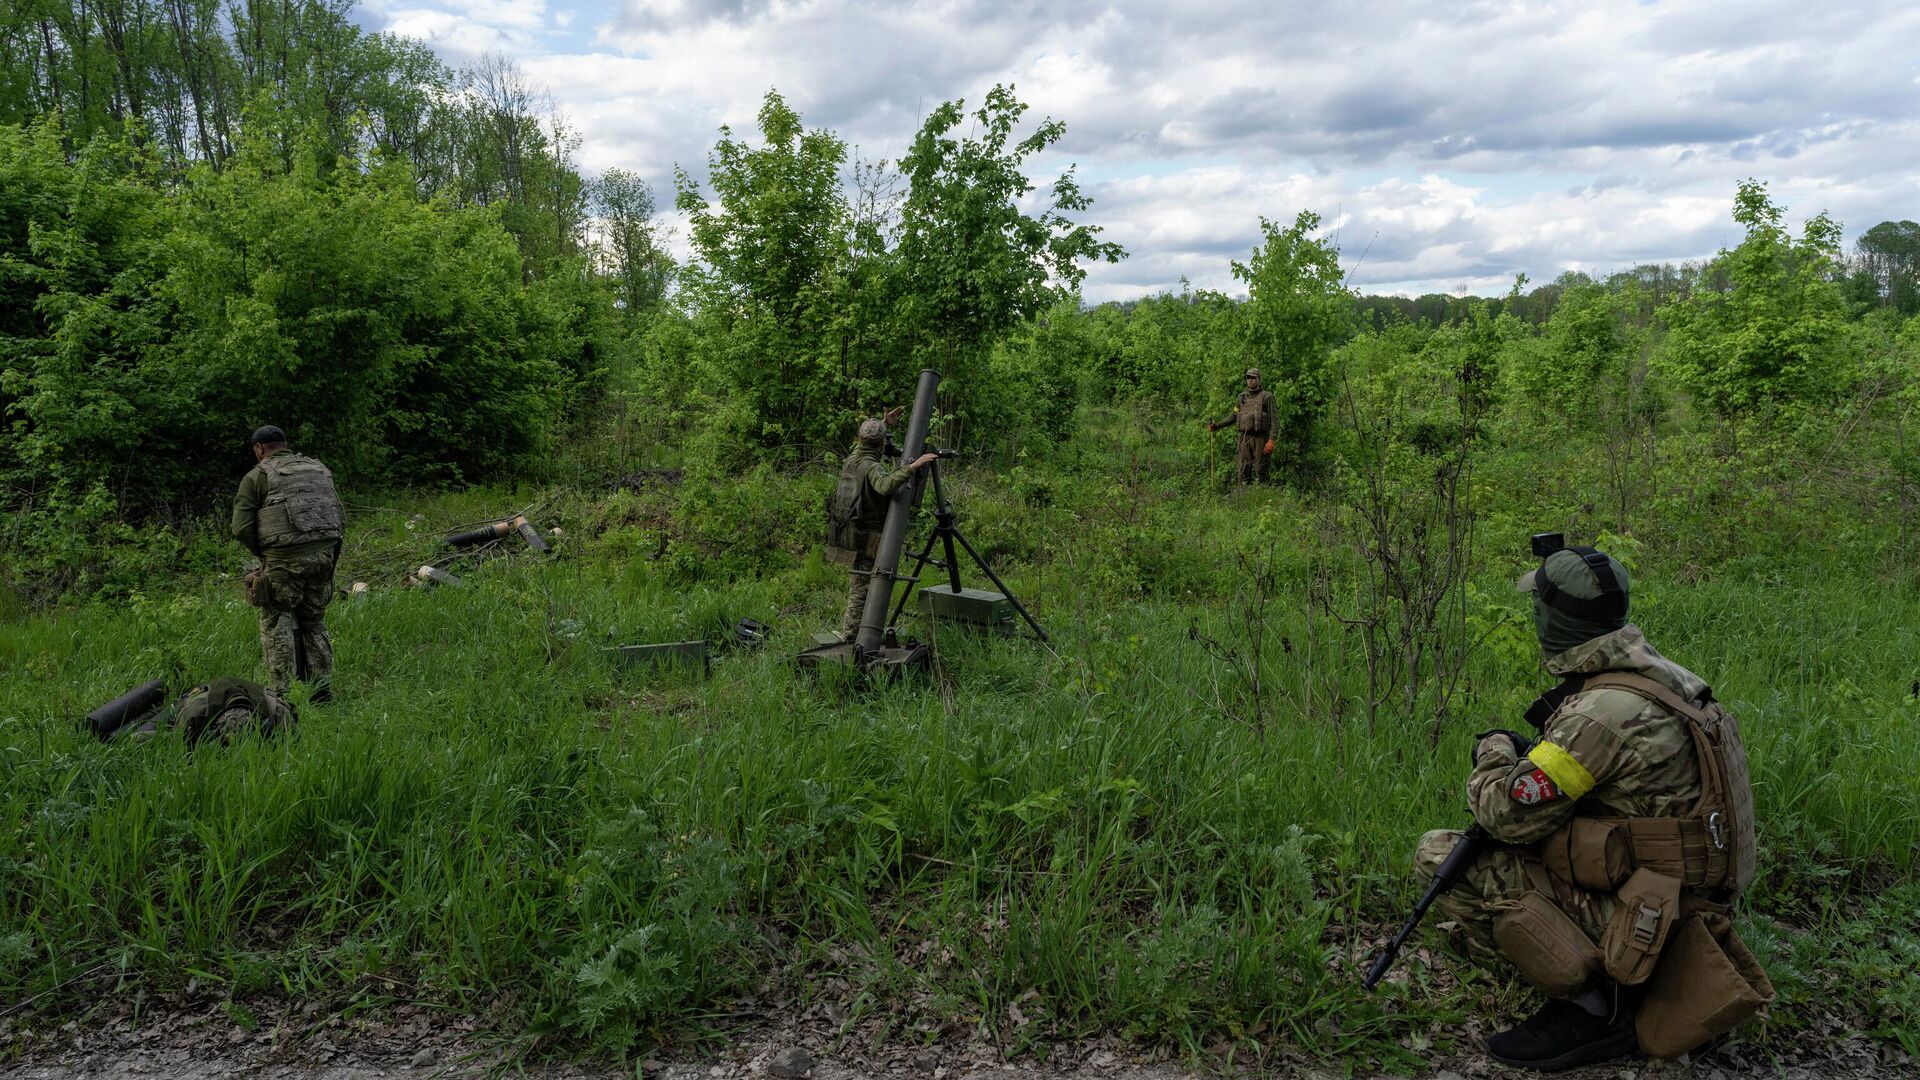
{"type": "Point", "coordinates": [115, 714]}
{"type": "Point", "coordinates": [893, 536]}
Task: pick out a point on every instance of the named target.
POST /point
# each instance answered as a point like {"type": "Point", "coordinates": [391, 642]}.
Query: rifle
{"type": "Point", "coordinates": [1467, 849]}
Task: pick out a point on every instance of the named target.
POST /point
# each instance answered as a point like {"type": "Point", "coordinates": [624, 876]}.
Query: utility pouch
{"type": "Point", "coordinates": [1589, 852]}
{"type": "Point", "coordinates": [1550, 950]}
{"type": "Point", "coordinates": [1707, 983]}
{"type": "Point", "coordinates": [1644, 912]}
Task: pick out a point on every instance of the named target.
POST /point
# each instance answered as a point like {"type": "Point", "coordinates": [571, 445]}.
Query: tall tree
{"type": "Point", "coordinates": [1298, 309]}
{"type": "Point", "coordinates": [972, 262]}
{"type": "Point", "coordinates": [770, 254]}
{"type": "Point", "coordinates": [1766, 328]}
{"type": "Point", "coordinates": [635, 261]}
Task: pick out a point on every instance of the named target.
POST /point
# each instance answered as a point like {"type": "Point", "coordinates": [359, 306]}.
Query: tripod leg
{"type": "Point", "coordinates": [998, 584]}
{"type": "Point", "coordinates": [919, 564]}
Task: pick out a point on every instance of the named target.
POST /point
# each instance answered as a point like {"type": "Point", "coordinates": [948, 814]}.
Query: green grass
{"type": "Point", "coordinates": [1094, 833]}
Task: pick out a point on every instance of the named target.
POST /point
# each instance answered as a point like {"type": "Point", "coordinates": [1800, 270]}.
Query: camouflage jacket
{"type": "Point", "coordinates": [882, 481]}
{"type": "Point", "coordinates": [1603, 753]}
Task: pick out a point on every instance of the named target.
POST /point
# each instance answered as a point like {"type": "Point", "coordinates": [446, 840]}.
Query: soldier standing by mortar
{"type": "Point", "coordinates": [287, 514]}
{"type": "Point", "coordinates": [857, 510]}
{"type": "Point", "coordinates": [1252, 418]}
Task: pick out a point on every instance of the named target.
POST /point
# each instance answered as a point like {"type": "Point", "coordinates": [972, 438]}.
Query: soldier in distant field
{"type": "Point", "coordinates": [1252, 418]}
{"type": "Point", "coordinates": [287, 514]}
{"type": "Point", "coordinates": [857, 510]}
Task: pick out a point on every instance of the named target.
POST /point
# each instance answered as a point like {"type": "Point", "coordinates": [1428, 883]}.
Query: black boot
{"type": "Point", "coordinates": [1563, 1035]}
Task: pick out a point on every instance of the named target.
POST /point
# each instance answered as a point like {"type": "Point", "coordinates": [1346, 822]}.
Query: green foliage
{"type": "Point", "coordinates": [151, 328]}
{"type": "Point", "coordinates": [971, 263]}
{"type": "Point", "coordinates": [1774, 334]}
{"type": "Point", "coordinates": [1587, 368]}
{"type": "Point", "coordinates": [1298, 309]}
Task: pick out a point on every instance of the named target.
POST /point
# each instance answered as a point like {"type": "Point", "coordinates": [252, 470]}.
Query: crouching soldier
{"type": "Point", "coordinates": [857, 511]}
{"type": "Point", "coordinates": [1628, 834]}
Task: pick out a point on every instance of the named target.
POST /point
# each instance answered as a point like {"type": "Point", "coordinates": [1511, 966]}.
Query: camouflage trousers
{"type": "Point", "coordinates": [1250, 456]}
{"type": "Point", "coordinates": [858, 582]}
{"type": "Point", "coordinates": [293, 620]}
{"type": "Point", "coordinates": [1492, 885]}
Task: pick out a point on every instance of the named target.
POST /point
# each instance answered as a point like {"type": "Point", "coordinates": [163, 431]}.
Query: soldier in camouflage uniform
{"type": "Point", "coordinates": [1253, 419]}
{"type": "Point", "coordinates": [1604, 755]}
{"type": "Point", "coordinates": [222, 709]}
{"type": "Point", "coordinates": [857, 511]}
{"type": "Point", "coordinates": [287, 514]}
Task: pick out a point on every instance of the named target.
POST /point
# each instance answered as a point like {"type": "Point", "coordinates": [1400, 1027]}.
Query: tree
{"type": "Point", "coordinates": [1299, 308]}
{"type": "Point", "coordinates": [1766, 327]}
{"type": "Point", "coordinates": [770, 253]}
{"type": "Point", "coordinates": [1888, 255]}
{"type": "Point", "coordinates": [972, 263]}
{"type": "Point", "coordinates": [636, 264]}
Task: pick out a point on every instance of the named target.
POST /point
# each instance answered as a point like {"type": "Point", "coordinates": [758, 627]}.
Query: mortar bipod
{"type": "Point", "coordinates": [946, 530]}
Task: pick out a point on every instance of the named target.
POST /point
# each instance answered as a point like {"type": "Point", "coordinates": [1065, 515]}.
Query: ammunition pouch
{"type": "Point", "coordinates": [1548, 947]}
{"type": "Point", "coordinates": [1644, 912]}
{"type": "Point", "coordinates": [1593, 853]}
{"type": "Point", "coordinates": [1705, 984]}
{"type": "Point", "coordinates": [865, 544]}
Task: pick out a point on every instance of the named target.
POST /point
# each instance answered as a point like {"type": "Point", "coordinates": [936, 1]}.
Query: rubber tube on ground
{"type": "Point", "coordinates": [115, 714]}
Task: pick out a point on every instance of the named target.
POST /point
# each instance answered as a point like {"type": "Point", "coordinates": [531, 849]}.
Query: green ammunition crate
{"type": "Point", "coordinates": [976, 607]}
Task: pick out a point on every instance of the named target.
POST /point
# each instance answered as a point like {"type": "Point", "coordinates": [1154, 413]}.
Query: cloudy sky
{"type": "Point", "coordinates": [1448, 146]}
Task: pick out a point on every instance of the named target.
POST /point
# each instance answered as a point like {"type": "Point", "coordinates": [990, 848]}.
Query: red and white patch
{"type": "Point", "coordinates": [1532, 789]}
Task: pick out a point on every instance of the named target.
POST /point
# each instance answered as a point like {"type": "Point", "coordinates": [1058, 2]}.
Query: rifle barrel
{"type": "Point", "coordinates": [1452, 869]}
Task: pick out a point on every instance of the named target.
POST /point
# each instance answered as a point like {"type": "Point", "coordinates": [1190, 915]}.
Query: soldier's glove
{"type": "Point", "coordinates": [1520, 743]}
{"type": "Point", "coordinates": [255, 583]}
{"type": "Point", "coordinates": [1213, 427]}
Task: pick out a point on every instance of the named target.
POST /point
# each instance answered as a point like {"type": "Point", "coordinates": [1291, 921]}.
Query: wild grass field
{"type": "Point", "coordinates": [1114, 833]}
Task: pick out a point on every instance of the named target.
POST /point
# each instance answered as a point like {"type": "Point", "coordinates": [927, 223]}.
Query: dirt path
{"type": "Point", "coordinates": [416, 1043]}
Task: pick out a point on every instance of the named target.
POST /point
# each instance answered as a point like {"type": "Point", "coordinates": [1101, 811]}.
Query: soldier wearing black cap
{"type": "Point", "coordinates": [287, 514]}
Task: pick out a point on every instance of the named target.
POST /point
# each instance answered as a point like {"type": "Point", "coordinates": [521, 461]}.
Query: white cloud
{"type": "Point", "coordinates": [1465, 143]}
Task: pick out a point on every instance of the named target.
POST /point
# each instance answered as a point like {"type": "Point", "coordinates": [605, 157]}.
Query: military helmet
{"type": "Point", "coordinates": [873, 432]}
{"type": "Point", "coordinates": [268, 435]}
{"type": "Point", "coordinates": [1253, 373]}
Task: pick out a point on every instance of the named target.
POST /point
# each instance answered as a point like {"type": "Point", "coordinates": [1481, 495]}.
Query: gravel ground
{"type": "Point", "coordinates": [413, 1043]}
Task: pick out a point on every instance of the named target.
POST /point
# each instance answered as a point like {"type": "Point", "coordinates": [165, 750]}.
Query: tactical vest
{"type": "Point", "coordinates": [849, 509]}
{"type": "Point", "coordinates": [201, 706]}
{"type": "Point", "coordinates": [1673, 880]}
{"type": "Point", "coordinates": [301, 505]}
{"type": "Point", "coordinates": [1713, 849]}
{"type": "Point", "coordinates": [1250, 420]}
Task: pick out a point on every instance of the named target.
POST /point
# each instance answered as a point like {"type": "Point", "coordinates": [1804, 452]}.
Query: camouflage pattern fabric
{"type": "Point", "coordinates": [1495, 881]}
{"type": "Point", "coordinates": [293, 619]}
{"type": "Point", "coordinates": [1251, 457]}
{"type": "Point", "coordinates": [858, 582]}
{"type": "Point", "coordinates": [1603, 753]}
